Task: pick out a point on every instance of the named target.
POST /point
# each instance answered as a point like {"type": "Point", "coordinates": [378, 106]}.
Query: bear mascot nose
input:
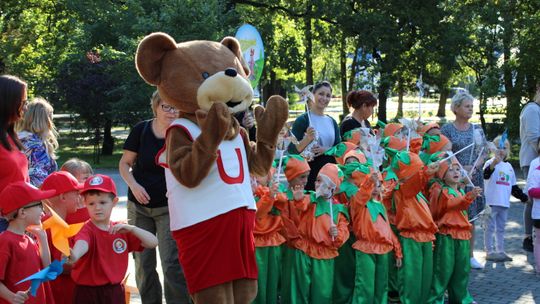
{"type": "Point", "coordinates": [231, 72]}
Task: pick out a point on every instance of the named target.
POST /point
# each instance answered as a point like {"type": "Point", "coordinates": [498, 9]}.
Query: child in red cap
{"type": "Point", "coordinates": [101, 247]}
{"type": "Point", "coordinates": [81, 170]}
{"type": "Point", "coordinates": [20, 256]}
{"type": "Point", "coordinates": [64, 203]}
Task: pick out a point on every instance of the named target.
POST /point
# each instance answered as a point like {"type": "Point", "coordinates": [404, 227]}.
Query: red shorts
{"type": "Point", "coordinates": [218, 250]}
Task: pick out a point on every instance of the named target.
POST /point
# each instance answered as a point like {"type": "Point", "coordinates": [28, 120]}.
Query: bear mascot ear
{"type": "Point", "coordinates": [232, 44]}
{"type": "Point", "coordinates": [150, 53]}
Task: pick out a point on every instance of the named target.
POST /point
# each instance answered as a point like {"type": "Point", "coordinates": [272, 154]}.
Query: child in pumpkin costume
{"type": "Point", "coordinates": [448, 206]}
{"type": "Point", "coordinates": [374, 238]}
{"type": "Point", "coordinates": [322, 229]}
{"type": "Point", "coordinates": [268, 239]}
{"type": "Point", "coordinates": [414, 223]}
{"type": "Point", "coordinates": [296, 170]}
{"type": "Point", "coordinates": [344, 274]}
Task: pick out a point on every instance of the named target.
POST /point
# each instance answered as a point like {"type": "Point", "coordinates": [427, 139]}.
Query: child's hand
{"type": "Point", "coordinates": [399, 263]}
{"type": "Point", "coordinates": [333, 231]}
{"type": "Point", "coordinates": [298, 192]}
{"type": "Point", "coordinates": [37, 231]}
{"type": "Point", "coordinates": [20, 297]}
{"type": "Point", "coordinates": [476, 191]}
{"type": "Point", "coordinates": [121, 228]}
{"type": "Point", "coordinates": [274, 189]}
{"type": "Point", "coordinates": [310, 134]}
{"type": "Point", "coordinates": [432, 168]}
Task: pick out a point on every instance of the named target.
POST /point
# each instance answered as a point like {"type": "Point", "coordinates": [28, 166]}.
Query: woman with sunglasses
{"type": "Point", "coordinates": [147, 204]}
{"type": "Point", "coordinates": [12, 158]}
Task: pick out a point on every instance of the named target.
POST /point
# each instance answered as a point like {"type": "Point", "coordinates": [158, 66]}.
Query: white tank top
{"type": "Point", "coordinates": [226, 187]}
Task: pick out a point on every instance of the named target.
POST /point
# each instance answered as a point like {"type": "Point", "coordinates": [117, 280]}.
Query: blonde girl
{"type": "Point", "coordinates": [39, 138]}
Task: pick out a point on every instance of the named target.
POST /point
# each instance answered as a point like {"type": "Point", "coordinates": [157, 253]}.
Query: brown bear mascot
{"type": "Point", "coordinates": [208, 160]}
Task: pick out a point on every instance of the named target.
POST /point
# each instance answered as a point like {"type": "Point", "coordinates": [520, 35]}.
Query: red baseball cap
{"type": "Point", "coordinates": [62, 182]}
{"type": "Point", "coordinates": [19, 194]}
{"type": "Point", "coordinates": [99, 182]}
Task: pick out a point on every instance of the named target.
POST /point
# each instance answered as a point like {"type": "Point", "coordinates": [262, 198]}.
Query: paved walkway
{"type": "Point", "coordinates": [498, 283]}
{"type": "Point", "coordinates": [510, 282]}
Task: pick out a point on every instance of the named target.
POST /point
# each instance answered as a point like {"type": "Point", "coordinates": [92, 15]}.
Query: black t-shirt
{"type": "Point", "coordinates": [350, 123]}
{"type": "Point", "coordinates": [146, 172]}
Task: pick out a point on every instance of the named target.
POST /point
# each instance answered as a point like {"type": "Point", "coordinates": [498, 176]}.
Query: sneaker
{"type": "Point", "coordinates": [505, 257]}
{"type": "Point", "coordinates": [475, 264]}
{"type": "Point", "coordinates": [528, 244]}
{"type": "Point", "coordinates": [494, 257]}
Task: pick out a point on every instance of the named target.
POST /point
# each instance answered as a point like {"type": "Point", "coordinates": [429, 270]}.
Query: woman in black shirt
{"type": "Point", "coordinates": [147, 205]}
{"type": "Point", "coordinates": [363, 103]}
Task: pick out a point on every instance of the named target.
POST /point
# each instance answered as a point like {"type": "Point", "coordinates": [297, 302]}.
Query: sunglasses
{"type": "Point", "coordinates": [40, 204]}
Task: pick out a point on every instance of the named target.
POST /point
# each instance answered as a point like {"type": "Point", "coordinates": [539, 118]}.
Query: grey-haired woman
{"type": "Point", "coordinates": [462, 133]}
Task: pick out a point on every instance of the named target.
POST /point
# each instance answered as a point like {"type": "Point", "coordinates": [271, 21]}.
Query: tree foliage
{"type": "Point", "coordinates": [491, 47]}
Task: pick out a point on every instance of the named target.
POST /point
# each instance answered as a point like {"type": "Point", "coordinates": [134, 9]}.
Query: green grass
{"type": "Point", "coordinates": [77, 144]}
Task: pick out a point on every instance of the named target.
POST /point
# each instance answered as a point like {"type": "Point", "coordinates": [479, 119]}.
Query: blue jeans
{"type": "Point", "coordinates": [156, 221]}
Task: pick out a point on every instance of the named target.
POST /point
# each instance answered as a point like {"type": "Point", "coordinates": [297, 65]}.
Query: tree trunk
{"type": "Point", "coordinates": [441, 112]}
{"type": "Point", "coordinates": [482, 110]}
{"type": "Point", "coordinates": [383, 95]}
{"type": "Point", "coordinates": [273, 87]}
{"type": "Point", "coordinates": [513, 105]}
{"type": "Point", "coordinates": [354, 66]}
{"type": "Point", "coordinates": [343, 76]}
{"type": "Point", "coordinates": [108, 139]}
{"type": "Point", "coordinates": [309, 43]}
{"type": "Point", "coordinates": [401, 90]}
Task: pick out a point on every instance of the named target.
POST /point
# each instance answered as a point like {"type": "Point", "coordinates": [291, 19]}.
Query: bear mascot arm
{"type": "Point", "coordinates": [206, 81]}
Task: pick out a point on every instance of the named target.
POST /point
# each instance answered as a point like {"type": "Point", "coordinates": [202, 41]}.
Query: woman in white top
{"type": "Point", "coordinates": [315, 125]}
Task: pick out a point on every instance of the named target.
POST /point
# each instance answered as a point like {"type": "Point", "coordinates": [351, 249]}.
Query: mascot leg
{"type": "Point", "coordinates": [244, 290]}
{"type": "Point", "coordinates": [219, 294]}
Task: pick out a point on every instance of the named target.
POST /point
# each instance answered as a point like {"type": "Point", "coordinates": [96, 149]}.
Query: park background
{"type": "Point", "coordinates": [79, 55]}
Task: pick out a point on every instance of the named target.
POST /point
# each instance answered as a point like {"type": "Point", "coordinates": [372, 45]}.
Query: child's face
{"type": "Point", "coordinates": [100, 206]}
{"type": "Point", "coordinates": [376, 190]}
{"type": "Point", "coordinates": [502, 153]}
{"type": "Point", "coordinates": [323, 188]}
{"type": "Point", "coordinates": [72, 200]}
{"type": "Point", "coordinates": [453, 175]}
{"type": "Point", "coordinates": [33, 213]}
{"type": "Point", "coordinates": [82, 176]}
{"type": "Point", "coordinates": [300, 180]}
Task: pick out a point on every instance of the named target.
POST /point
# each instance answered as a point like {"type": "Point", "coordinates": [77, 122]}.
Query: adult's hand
{"type": "Point", "coordinates": [140, 193]}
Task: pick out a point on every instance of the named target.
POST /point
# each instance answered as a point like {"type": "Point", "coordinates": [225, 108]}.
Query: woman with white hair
{"type": "Point", "coordinates": [463, 133]}
{"type": "Point", "coordinates": [38, 135]}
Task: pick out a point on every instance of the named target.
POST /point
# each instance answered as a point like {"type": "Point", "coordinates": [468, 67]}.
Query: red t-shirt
{"type": "Point", "coordinates": [106, 261]}
{"type": "Point", "coordinates": [63, 287]}
{"type": "Point", "coordinates": [19, 258]}
{"type": "Point", "coordinates": [79, 216]}
{"type": "Point", "coordinates": [14, 165]}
